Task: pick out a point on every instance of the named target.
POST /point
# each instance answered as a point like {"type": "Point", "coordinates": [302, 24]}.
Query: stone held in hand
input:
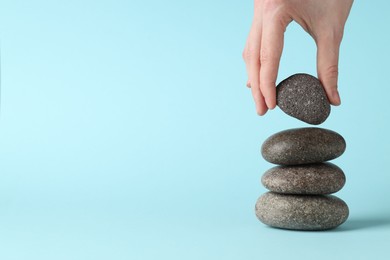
{"type": "Point", "coordinates": [301, 212]}
{"type": "Point", "coordinates": [320, 178]}
{"type": "Point", "coordinates": [303, 146]}
{"type": "Point", "coordinates": [302, 96]}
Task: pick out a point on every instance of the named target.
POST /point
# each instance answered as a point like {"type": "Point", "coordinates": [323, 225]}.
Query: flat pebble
{"type": "Point", "coordinates": [302, 96]}
{"type": "Point", "coordinates": [303, 146]}
{"type": "Point", "coordinates": [301, 212]}
{"type": "Point", "coordinates": [321, 178]}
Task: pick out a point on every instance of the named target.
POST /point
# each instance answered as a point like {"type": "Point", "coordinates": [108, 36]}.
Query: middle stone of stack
{"type": "Point", "coordinates": [300, 186]}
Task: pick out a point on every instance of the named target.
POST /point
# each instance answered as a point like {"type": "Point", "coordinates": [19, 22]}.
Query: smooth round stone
{"type": "Point", "coordinates": [301, 212]}
{"type": "Point", "coordinates": [303, 146]}
{"type": "Point", "coordinates": [321, 178]}
{"type": "Point", "coordinates": [302, 96]}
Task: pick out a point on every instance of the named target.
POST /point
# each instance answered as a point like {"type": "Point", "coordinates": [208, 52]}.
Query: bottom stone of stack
{"type": "Point", "coordinates": [301, 212]}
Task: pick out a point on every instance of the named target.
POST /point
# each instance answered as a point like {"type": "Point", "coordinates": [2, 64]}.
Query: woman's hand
{"type": "Point", "coordinates": [324, 20]}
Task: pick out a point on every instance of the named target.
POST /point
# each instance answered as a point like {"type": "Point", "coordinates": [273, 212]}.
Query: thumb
{"type": "Point", "coordinates": [327, 67]}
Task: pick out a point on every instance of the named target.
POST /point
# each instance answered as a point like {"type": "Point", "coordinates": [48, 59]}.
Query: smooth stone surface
{"type": "Point", "coordinates": [302, 96]}
{"type": "Point", "coordinates": [321, 178]}
{"type": "Point", "coordinates": [303, 146]}
{"type": "Point", "coordinates": [301, 212]}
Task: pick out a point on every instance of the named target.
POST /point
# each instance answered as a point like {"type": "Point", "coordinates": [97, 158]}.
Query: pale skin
{"type": "Point", "coordinates": [324, 20]}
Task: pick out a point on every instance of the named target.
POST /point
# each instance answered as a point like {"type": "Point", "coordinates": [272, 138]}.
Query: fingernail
{"type": "Point", "coordinates": [336, 98]}
{"type": "Point", "coordinates": [270, 104]}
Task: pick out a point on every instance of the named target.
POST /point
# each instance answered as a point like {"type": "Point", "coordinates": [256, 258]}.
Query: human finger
{"type": "Point", "coordinates": [252, 61]}
{"type": "Point", "coordinates": [327, 66]}
{"type": "Point", "coordinates": [270, 54]}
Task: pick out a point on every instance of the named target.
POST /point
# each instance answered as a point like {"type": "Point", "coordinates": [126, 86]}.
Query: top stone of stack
{"type": "Point", "coordinates": [303, 146]}
{"type": "Point", "coordinates": [302, 96]}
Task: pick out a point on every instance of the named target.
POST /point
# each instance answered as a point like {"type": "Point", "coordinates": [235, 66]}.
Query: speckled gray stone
{"type": "Point", "coordinates": [303, 146]}
{"type": "Point", "coordinates": [302, 96]}
{"type": "Point", "coordinates": [301, 212]}
{"type": "Point", "coordinates": [320, 178]}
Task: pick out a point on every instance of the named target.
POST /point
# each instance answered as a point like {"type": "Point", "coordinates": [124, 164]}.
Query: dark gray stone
{"type": "Point", "coordinates": [302, 96]}
{"type": "Point", "coordinates": [321, 178]}
{"type": "Point", "coordinates": [301, 212]}
{"type": "Point", "coordinates": [303, 146]}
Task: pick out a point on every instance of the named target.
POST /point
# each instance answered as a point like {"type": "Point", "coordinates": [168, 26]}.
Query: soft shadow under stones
{"type": "Point", "coordinates": [363, 223]}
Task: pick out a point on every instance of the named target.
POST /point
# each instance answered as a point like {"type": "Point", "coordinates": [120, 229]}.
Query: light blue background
{"type": "Point", "coordinates": [127, 132]}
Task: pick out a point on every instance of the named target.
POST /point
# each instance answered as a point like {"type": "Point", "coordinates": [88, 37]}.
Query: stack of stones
{"type": "Point", "coordinates": [301, 184]}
